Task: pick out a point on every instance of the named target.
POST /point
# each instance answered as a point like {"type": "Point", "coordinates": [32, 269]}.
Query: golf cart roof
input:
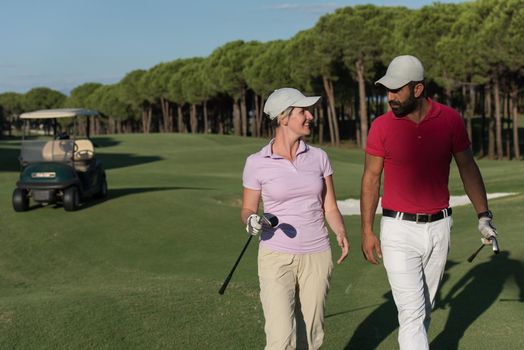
{"type": "Point", "coordinates": [59, 113]}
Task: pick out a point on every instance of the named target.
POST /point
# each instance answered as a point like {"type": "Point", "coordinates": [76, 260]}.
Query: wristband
{"type": "Point", "coordinates": [485, 214]}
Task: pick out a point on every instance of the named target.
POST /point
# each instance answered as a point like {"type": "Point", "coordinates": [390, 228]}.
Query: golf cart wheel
{"type": "Point", "coordinates": [20, 200]}
{"type": "Point", "coordinates": [71, 198]}
{"type": "Point", "coordinates": [103, 189]}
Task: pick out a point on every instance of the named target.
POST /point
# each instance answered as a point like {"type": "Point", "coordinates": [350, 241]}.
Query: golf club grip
{"type": "Point", "coordinates": [228, 278]}
{"type": "Point", "coordinates": [470, 259]}
{"type": "Point", "coordinates": [495, 244]}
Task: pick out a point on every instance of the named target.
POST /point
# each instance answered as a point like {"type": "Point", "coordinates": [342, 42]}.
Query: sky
{"type": "Point", "coordinates": [62, 44]}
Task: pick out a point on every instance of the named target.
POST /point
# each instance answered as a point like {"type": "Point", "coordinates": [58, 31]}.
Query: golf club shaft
{"type": "Point", "coordinates": [495, 245]}
{"type": "Point", "coordinates": [268, 220]}
{"type": "Point", "coordinates": [228, 278]}
{"type": "Point", "coordinates": [470, 259]}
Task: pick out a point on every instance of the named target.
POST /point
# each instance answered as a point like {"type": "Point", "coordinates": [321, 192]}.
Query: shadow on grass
{"type": "Point", "coordinates": [122, 192]}
{"type": "Point", "coordinates": [113, 194]}
{"type": "Point", "coordinates": [9, 154]}
{"type": "Point", "coordinates": [123, 160]}
{"type": "Point", "coordinates": [9, 160]}
{"type": "Point", "coordinates": [103, 141]}
{"type": "Point", "coordinates": [382, 321]}
{"type": "Point", "coordinates": [473, 294]}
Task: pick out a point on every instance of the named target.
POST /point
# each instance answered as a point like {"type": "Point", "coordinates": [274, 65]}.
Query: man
{"type": "Point", "coordinates": [413, 144]}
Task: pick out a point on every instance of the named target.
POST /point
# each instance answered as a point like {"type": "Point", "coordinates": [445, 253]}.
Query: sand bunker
{"type": "Point", "coordinates": [352, 206]}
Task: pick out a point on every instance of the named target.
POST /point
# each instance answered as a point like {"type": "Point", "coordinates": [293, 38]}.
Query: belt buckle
{"type": "Point", "coordinates": [417, 215]}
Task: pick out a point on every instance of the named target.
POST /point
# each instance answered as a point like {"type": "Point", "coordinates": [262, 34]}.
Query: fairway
{"type": "Point", "coordinates": [142, 269]}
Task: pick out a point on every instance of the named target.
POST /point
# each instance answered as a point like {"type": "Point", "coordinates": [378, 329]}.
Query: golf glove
{"type": "Point", "coordinates": [487, 229]}
{"type": "Point", "coordinates": [253, 226]}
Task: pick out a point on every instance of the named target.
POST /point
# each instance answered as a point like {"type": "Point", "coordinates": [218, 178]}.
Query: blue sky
{"type": "Point", "coordinates": [64, 43]}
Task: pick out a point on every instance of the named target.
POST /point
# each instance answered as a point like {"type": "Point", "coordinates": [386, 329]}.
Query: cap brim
{"type": "Point", "coordinates": [391, 83]}
{"type": "Point", "coordinates": [306, 101]}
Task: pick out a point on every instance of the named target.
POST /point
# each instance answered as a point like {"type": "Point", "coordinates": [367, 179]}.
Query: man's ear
{"type": "Point", "coordinates": [419, 90]}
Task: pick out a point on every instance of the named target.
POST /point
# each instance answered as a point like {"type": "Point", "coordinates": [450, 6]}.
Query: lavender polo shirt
{"type": "Point", "coordinates": [293, 192]}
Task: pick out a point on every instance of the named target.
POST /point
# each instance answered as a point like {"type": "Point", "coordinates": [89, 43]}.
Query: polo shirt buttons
{"type": "Point", "coordinates": [419, 137]}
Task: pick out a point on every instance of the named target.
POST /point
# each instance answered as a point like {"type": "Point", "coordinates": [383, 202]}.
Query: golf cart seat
{"type": "Point", "coordinates": [57, 151]}
{"type": "Point", "coordinates": [84, 154]}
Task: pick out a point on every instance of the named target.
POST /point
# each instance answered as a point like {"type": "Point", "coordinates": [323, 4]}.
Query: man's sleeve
{"type": "Point", "coordinates": [461, 140]}
{"type": "Point", "coordinates": [375, 142]}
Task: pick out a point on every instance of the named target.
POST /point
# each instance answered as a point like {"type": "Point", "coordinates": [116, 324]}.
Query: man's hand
{"type": "Point", "coordinates": [487, 230]}
{"type": "Point", "coordinates": [343, 243]}
{"type": "Point", "coordinates": [253, 226]}
{"type": "Point", "coordinates": [370, 246]}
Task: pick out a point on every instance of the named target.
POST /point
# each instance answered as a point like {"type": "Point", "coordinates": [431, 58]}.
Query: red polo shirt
{"type": "Point", "coordinates": [417, 157]}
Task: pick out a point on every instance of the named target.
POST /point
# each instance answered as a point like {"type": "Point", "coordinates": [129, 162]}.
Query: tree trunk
{"type": "Point", "coordinates": [491, 122]}
{"type": "Point", "coordinates": [243, 111]}
{"type": "Point", "coordinates": [193, 119]}
{"type": "Point", "coordinates": [330, 125]}
{"type": "Point", "coordinates": [257, 127]}
{"type": "Point", "coordinates": [236, 118]}
{"type": "Point", "coordinates": [98, 126]}
{"type": "Point", "coordinates": [498, 118]}
{"type": "Point", "coordinates": [180, 119]}
{"type": "Point", "coordinates": [467, 111]}
{"type": "Point", "coordinates": [321, 125]}
{"type": "Point", "coordinates": [515, 115]}
{"type": "Point", "coordinates": [206, 118]}
{"type": "Point", "coordinates": [332, 117]}
{"type": "Point", "coordinates": [144, 118]}
{"type": "Point", "coordinates": [166, 115]}
{"type": "Point", "coordinates": [92, 126]}
{"type": "Point", "coordinates": [507, 127]}
{"type": "Point", "coordinates": [220, 123]}
{"type": "Point", "coordinates": [363, 113]}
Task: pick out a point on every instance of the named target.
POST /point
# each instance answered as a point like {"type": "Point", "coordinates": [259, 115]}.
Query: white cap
{"type": "Point", "coordinates": [281, 99]}
{"type": "Point", "coordinates": [402, 70]}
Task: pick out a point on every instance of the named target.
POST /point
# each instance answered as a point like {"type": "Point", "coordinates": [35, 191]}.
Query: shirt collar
{"type": "Point", "coordinates": [267, 153]}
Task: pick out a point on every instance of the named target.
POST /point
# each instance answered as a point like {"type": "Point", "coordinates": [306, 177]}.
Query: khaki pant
{"type": "Point", "coordinates": [293, 290]}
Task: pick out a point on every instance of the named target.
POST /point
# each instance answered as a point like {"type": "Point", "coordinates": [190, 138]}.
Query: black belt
{"type": "Point", "coordinates": [418, 218]}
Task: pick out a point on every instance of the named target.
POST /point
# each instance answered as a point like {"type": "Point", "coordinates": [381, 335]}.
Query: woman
{"type": "Point", "coordinates": [294, 260]}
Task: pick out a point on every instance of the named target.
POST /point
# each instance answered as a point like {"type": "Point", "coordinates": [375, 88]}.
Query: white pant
{"type": "Point", "coordinates": [414, 256]}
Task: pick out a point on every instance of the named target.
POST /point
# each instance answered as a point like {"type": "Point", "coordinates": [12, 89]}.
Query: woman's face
{"type": "Point", "coordinates": [299, 121]}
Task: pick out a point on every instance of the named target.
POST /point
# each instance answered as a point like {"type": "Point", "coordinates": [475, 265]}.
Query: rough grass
{"type": "Point", "coordinates": [141, 270]}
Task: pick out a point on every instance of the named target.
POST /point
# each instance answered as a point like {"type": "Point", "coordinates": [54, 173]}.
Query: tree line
{"type": "Point", "coordinates": [473, 54]}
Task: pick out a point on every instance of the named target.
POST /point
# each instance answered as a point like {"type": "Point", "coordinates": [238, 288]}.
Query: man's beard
{"type": "Point", "coordinates": [402, 109]}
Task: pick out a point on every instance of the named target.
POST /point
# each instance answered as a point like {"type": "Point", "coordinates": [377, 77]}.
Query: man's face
{"type": "Point", "coordinates": [402, 101]}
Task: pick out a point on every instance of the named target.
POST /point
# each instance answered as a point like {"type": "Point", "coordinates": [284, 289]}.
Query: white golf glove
{"type": "Point", "coordinates": [487, 230]}
{"type": "Point", "coordinates": [253, 226]}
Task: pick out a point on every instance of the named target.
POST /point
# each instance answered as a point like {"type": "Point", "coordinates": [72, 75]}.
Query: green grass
{"type": "Point", "coordinates": [141, 270]}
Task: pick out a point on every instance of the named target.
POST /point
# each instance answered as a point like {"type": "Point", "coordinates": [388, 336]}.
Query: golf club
{"type": "Point", "coordinates": [495, 245]}
{"type": "Point", "coordinates": [266, 219]}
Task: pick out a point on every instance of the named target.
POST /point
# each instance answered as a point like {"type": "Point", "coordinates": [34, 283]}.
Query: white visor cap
{"type": "Point", "coordinates": [402, 70]}
{"type": "Point", "coordinates": [281, 99]}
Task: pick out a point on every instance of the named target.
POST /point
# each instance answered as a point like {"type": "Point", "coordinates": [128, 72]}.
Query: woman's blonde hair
{"type": "Point", "coordinates": [286, 113]}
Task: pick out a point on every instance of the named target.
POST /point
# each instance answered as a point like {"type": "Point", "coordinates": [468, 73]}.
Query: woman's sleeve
{"type": "Point", "coordinates": [326, 164]}
{"type": "Point", "coordinates": [249, 176]}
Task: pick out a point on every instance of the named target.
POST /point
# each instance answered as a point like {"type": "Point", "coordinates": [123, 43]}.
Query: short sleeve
{"type": "Point", "coordinates": [461, 140]}
{"type": "Point", "coordinates": [249, 176]}
{"type": "Point", "coordinates": [374, 143]}
{"type": "Point", "coordinates": [326, 164]}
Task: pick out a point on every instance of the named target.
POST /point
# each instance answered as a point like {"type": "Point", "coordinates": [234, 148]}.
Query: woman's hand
{"type": "Point", "coordinates": [343, 243]}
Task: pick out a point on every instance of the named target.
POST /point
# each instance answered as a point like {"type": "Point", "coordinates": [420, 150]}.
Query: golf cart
{"type": "Point", "coordinates": [58, 170]}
